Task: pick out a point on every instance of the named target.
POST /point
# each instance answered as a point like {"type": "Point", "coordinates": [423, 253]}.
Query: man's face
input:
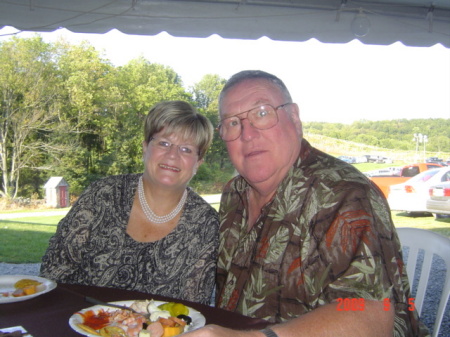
{"type": "Point", "coordinates": [262, 157]}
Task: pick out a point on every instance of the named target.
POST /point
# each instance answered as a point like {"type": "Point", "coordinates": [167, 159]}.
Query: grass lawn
{"type": "Point", "coordinates": [24, 240]}
{"type": "Point", "coordinates": [440, 226]}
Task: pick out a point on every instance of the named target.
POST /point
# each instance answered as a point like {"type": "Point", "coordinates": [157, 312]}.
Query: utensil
{"type": "Point", "coordinates": [123, 307]}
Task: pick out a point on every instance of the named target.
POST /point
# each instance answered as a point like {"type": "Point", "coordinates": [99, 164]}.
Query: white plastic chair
{"type": "Point", "coordinates": [431, 243]}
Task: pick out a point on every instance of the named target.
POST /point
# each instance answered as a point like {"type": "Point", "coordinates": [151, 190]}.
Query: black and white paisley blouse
{"type": "Point", "coordinates": [91, 246]}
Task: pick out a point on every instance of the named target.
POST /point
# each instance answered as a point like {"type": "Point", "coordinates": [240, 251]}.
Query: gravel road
{"type": "Point", "coordinates": [19, 269]}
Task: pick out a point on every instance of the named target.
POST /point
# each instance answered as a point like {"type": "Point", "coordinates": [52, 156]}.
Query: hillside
{"type": "Point", "coordinates": [431, 135]}
{"type": "Point", "coordinates": [338, 147]}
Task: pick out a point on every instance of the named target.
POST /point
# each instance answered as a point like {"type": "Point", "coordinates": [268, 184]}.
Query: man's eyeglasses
{"type": "Point", "coordinates": [263, 117]}
{"type": "Point", "coordinates": [189, 151]}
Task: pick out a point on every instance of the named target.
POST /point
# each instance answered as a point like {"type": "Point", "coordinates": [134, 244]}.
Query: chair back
{"type": "Point", "coordinates": [430, 243]}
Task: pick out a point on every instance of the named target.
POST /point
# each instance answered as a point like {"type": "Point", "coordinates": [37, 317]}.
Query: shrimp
{"type": "Point", "coordinates": [178, 321]}
{"type": "Point", "coordinates": [133, 330]}
{"type": "Point", "coordinates": [128, 321]}
{"type": "Point", "coordinates": [119, 315]}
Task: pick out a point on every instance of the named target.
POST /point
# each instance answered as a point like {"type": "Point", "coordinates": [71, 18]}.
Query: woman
{"type": "Point", "coordinates": [147, 232]}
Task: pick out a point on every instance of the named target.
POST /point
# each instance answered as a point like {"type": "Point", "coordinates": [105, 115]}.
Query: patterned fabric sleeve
{"type": "Point", "coordinates": [200, 281]}
{"type": "Point", "coordinates": [363, 253]}
{"type": "Point", "coordinates": [62, 261]}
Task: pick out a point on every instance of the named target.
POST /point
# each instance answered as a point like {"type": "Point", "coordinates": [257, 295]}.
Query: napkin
{"type": "Point", "coordinates": [6, 331]}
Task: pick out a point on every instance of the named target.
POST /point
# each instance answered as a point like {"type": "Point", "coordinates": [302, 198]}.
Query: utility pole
{"type": "Point", "coordinates": [425, 141]}
{"type": "Point", "coordinates": [419, 139]}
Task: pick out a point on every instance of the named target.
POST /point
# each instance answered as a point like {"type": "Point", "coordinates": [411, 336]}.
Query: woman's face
{"type": "Point", "coordinates": [170, 161]}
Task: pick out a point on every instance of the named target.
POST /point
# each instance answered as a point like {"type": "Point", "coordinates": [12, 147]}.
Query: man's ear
{"type": "Point", "coordinates": [295, 117]}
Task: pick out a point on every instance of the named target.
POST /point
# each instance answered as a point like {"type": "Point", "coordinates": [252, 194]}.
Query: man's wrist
{"type": "Point", "coordinates": [269, 332]}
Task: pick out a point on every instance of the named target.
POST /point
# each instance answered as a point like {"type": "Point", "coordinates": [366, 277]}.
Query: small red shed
{"type": "Point", "coordinates": [57, 192]}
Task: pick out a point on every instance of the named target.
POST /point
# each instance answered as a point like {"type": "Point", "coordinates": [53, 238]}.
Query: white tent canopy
{"type": "Point", "coordinates": [381, 22]}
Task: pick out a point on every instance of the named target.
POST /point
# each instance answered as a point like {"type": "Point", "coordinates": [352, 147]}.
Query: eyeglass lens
{"type": "Point", "coordinates": [263, 118]}
{"type": "Point", "coordinates": [185, 150]}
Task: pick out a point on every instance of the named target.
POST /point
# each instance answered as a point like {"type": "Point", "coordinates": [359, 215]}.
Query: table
{"type": "Point", "coordinates": [48, 315]}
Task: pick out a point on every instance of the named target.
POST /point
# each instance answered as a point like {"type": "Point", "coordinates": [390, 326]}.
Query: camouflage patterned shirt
{"type": "Point", "coordinates": [326, 236]}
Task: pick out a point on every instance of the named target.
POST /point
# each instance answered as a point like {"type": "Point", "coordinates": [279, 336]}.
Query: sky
{"type": "Point", "coordinates": [337, 83]}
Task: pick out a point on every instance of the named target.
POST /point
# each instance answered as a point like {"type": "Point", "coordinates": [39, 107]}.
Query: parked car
{"type": "Point", "coordinates": [348, 159]}
{"type": "Point", "coordinates": [437, 160]}
{"type": "Point", "coordinates": [384, 160]}
{"type": "Point", "coordinates": [394, 171]}
{"type": "Point", "coordinates": [433, 160]}
{"type": "Point", "coordinates": [361, 159]}
{"type": "Point", "coordinates": [384, 181]}
{"type": "Point", "coordinates": [411, 196]}
{"type": "Point", "coordinates": [439, 201]}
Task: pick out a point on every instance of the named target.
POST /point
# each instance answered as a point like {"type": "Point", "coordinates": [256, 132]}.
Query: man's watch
{"type": "Point", "coordinates": [269, 332]}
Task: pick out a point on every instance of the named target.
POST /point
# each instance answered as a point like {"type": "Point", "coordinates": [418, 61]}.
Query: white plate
{"type": "Point", "coordinates": [198, 320]}
{"type": "Point", "coordinates": [7, 285]}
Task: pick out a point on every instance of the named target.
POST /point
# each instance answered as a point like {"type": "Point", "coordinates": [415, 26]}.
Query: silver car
{"type": "Point", "coordinates": [412, 195]}
{"type": "Point", "coordinates": [439, 201]}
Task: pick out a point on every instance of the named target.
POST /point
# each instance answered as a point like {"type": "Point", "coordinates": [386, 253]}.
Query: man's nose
{"type": "Point", "coordinates": [248, 131]}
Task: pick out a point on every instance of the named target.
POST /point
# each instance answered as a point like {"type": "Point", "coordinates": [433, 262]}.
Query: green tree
{"type": "Point", "coordinates": [206, 92]}
{"type": "Point", "coordinates": [29, 110]}
{"type": "Point", "coordinates": [217, 164]}
{"type": "Point", "coordinates": [86, 80]}
{"type": "Point", "coordinates": [137, 87]}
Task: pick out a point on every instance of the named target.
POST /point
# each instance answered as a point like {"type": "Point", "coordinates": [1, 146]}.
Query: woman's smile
{"type": "Point", "coordinates": [170, 168]}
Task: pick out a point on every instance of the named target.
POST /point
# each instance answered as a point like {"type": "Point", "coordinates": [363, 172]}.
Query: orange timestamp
{"type": "Point", "coordinates": [358, 304]}
{"type": "Point", "coordinates": [411, 304]}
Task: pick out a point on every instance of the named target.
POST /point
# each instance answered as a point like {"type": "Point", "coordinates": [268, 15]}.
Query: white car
{"type": "Point", "coordinates": [439, 201]}
{"type": "Point", "coordinates": [412, 195]}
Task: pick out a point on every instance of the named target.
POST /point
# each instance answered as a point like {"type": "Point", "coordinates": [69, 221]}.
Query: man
{"type": "Point", "coordinates": [307, 242]}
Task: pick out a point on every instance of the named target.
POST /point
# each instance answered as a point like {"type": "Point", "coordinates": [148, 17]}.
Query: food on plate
{"type": "Point", "coordinates": [175, 309]}
{"type": "Point", "coordinates": [112, 331]}
{"type": "Point", "coordinates": [26, 282]}
{"type": "Point", "coordinates": [95, 320]}
{"type": "Point", "coordinates": [126, 323]}
{"type": "Point", "coordinates": [185, 318]}
{"type": "Point", "coordinates": [88, 329]}
{"type": "Point", "coordinates": [24, 287]}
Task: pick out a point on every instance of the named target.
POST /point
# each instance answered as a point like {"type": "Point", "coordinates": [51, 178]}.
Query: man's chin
{"type": "Point", "coordinates": [254, 178]}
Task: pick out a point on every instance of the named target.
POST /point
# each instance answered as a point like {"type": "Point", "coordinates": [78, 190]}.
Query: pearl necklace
{"type": "Point", "coordinates": [150, 214]}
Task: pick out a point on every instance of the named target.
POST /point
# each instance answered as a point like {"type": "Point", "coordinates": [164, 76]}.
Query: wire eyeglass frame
{"type": "Point", "coordinates": [253, 119]}
{"type": "Point", "coordinates": [185, 150]}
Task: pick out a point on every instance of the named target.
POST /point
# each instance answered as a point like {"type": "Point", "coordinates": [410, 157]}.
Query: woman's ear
{"type": "Point", "coordinates": [144, 149]}
{"type": "Point", "coordinates": [197, 165]}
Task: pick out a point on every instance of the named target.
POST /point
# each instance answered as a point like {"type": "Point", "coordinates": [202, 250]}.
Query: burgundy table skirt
{"type": "Point", "coordinates": [48, 315]}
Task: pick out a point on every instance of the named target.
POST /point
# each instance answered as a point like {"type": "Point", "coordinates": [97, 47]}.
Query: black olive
{"type": "Point", "coordinates": [185, 318]}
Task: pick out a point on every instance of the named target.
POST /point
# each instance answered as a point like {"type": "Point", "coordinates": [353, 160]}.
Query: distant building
{"type": "Point", "coordinates": [57, 192]}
